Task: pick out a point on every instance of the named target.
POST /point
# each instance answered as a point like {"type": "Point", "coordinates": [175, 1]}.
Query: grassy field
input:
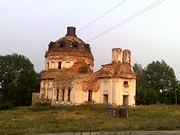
{"type": "Point", "coordinates": [46, 119]}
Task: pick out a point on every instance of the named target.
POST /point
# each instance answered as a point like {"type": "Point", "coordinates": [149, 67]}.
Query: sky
{"type": "Point", "coordinates": [27, 27]}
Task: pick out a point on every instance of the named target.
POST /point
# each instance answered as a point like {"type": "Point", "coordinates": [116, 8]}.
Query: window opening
{"type": "Point", "coordinates": [48, 65]}
{"type": "Point", "coordinates": [75, 45]}
{"type": "Point", "coordinates": [69, 94]}
{"type": "Point", "coordinates": [57, 96]}
{"type": "Point", "coordinates": [59, 65]}
{"type": "Point", "coordinates": [62, 45]}
{"type": "Point", "coordinates": [63, 91]}
{"type": "Point", "coordinates": [125, 83]}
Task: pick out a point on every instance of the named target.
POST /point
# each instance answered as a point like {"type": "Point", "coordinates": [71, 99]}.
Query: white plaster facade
{"type": "Point", "coordinates": [111, 88]}
{"type": "Point", "coordinates": [68, 78]}
{"type": "Point", "coordinates": [115, 89]}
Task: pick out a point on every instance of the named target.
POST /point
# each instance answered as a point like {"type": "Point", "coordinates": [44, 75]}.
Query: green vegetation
{"type": "Point", "coordinates": [156, 83]}
{"type": "Point", "coordinates": [47, 119]}
{"type": "Point", "coordinates": [17, 81]}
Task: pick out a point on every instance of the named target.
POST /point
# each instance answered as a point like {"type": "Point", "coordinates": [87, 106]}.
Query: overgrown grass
{"type": "Point", "coordinates": [47, 119]}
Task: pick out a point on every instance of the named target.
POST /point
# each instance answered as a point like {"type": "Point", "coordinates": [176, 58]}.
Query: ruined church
{"type": "Point", "coordinates": [68, 77]}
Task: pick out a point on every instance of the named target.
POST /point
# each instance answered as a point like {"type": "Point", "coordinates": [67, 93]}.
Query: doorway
{"type": "Point", "coordinates": [89, 95]}
{"type": "Point", "coordinates": [105, 99]}
{"type": "Point", "coordinates": [125, 100]}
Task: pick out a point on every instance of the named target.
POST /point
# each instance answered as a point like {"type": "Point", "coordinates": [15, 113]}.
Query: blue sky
{"type": "Point", "coordinates": [27, 26]}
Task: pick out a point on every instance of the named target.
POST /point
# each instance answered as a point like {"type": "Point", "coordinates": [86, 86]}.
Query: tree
{"type": "Point", "coordinates": [160, 77]}
{"type": "Point", "coordinates": [139, 83]}
{"type": "Point", "coordinates": [17, 79]}
{"type": "Point", "coordinates": [143, 95]}
{"type": "Point", "coordinates": [149, 96]}
{"type": "Point", "coordinates": [178, 93]}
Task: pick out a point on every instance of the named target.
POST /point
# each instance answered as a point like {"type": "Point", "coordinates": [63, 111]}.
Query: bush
{"type": "Point", "coordinates": [4, 104]}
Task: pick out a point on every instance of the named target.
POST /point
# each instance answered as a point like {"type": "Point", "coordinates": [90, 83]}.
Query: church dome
{"type": "Point", "coordinates": [70, 44]}
{"type": "Point", "coordinates": [68, 53]}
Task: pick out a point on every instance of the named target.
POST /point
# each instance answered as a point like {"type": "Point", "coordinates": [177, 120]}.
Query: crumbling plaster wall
{"type": "Point", "coordinates": [81, 95]}
{"type": "Point", "coordinates": [115, 89]}
{"type": "Point", "coordinates": [46, 89]}
{"type": "Point", "coordinates": [66, 61]}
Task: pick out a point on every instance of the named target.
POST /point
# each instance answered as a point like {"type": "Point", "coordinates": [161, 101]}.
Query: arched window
{"type": "Point", "coordinates": [61, 45]}
{"type": "Point", "coordinates": [75, 45]}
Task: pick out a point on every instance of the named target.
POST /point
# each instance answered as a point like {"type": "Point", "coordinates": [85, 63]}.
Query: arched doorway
{"type": "Point", "coordinates": [105, 97]}
{"type": "Point", "coordinates": [126, 99]}
{"type": "Point", "coordinates": [89, 95]}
